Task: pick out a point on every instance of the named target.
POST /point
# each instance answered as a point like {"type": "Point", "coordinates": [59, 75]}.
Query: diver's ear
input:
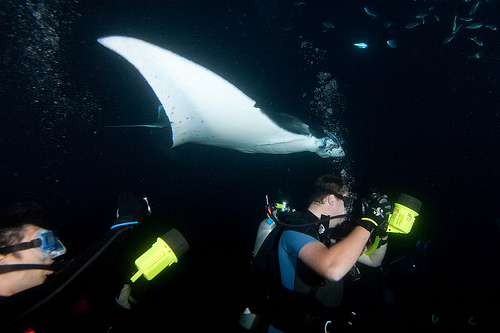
{"type": "Point", "coordinates": [331, 199]}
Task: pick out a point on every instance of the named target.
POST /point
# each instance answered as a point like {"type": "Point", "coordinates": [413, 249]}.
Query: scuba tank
{"type": "Point", "coordinates": [265, 228]}
{"type": "Point", "coordinates": [248, 319]}
{"type": "Point", "coordinates": [267, 225]}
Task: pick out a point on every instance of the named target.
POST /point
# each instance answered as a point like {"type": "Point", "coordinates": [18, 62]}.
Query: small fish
{"type": "Point", "coordinates": [387, 24]}
{"type": "Point", "coordinates": [474, 26]}
{"type": "Point", "coordinates": [328, 25]}
{"type": "Point", "coordinates": [369, 12]}
{"type": "Point", "coordinates": [490, 27]}
{"type": "Point", "coordinates": [437, 18]}
{"type": "Point", "coordinates": [474, 7]}
{"type": "Point", "coordinates": [300, 3]}
{"type": "Point", "coordinates": [411, 25]}
{"type": "Point", "coordinates": [392, 43]}
{"type": "Point", "coordinates": [475, 40]}
{"type": "Point", "coordinates": [466, 19]}
{"type": "Point", "coordinates": [448, 39]}
{"type": "Point", "coordinates": [422, 17]}
{"type": "Point", "coordinates": [361, 45]}
{"type": "Point", "coordinates": [478, 55]}
{"type": "Point", "coordinates": [456, 29]}
{"type": "Point", "coordinates": [454, 26]}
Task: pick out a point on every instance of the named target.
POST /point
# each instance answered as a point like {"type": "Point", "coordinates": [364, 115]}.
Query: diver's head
{"type": "Point", "coordinates": [332, 197]}
{"type": "Point", "coordinates": [27, 244]}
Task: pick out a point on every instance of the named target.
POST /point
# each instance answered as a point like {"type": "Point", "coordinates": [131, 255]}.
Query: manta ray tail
{"type": "Point", "coordinates": [162, 121]}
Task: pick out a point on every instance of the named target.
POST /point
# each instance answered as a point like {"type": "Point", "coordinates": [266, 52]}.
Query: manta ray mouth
{"type": "Point", "coordinates": [333, 137]}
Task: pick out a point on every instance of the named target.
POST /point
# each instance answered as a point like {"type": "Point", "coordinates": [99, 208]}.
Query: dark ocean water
{"type": "Point", "coordinates": [421, 118]}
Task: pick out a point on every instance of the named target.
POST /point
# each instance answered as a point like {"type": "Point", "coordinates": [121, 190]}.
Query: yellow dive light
{"type": "Point", "coordinates": [166, 251]}
{"type": "Point", "coordinates": [406, 209]}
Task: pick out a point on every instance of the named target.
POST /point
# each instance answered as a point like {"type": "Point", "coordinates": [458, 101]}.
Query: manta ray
{"type": "Point", "coordinates": [204, 108]}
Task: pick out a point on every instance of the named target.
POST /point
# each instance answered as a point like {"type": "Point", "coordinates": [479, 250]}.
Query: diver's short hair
{"type": "Point", "coordinates": [12, 236]}
{"type": "Point", "coordinates": [328, 182]}
{"type": "Point", "coordinates": [14, 222]}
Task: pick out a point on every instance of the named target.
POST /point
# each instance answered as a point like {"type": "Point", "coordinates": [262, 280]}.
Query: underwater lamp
{"type": "Point", "coordinates": [165, 251]}
{"type": "Point", "coordinates": [406, 209]}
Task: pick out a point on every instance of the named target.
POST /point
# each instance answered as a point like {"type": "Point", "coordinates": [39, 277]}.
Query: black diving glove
{"type": "Point", "coordinates": [131, 208]}
{"type": "Point", "coordinates": [381, 233]}
{"type": "Point", "coordinates": [375, 214]}
{"type": "Point", "coordinates": [381, 230]}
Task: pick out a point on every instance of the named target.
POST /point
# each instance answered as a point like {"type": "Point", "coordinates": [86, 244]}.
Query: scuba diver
{"type": "Point", "coordinates": [39, 248]}
{"type": "Point", "coordinates": [84, 293]}
{"type": "Point", "coordinates": [316, 250]}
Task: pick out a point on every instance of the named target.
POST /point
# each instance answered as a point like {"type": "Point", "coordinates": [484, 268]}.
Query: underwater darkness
{"type": "Point", "coordinates": [421, 118]}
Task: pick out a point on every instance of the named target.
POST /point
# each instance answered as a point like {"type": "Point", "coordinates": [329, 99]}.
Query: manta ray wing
{"type": "Point", "coordinates": [205, 108]}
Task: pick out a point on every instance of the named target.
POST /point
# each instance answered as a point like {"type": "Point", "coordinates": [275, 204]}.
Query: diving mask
{"type": "Point", "coordinates": [49, 245]}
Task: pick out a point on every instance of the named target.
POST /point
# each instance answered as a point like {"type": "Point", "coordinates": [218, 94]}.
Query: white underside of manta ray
{"type": "Point", "coordinates": [205, 108]}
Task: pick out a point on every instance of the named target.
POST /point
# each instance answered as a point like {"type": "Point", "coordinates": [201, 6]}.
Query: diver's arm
{"type": "Point", "coordinates": [374, 259]}
{"type": "Point", "coordinates": [334, 262]}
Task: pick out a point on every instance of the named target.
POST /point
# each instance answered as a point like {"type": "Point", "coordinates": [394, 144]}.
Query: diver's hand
{"type": "Point", "coordinates": [376, 210]}
{"type": "Point", "coordinates": [381, 230]}
{"type": "Point", "coordinates": [381, 233]}
{"type": "Point", "coordinates": [131, 209]}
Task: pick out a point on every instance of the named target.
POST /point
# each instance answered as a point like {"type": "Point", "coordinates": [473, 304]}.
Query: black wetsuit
{"type": "Point", "coordinates": [307, 301]}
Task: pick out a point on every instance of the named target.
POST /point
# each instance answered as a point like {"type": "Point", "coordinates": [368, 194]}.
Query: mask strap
{"type": "Point", "coordinates": [22, 267]}
{"type": "Point", "coordinates": [21, 246]}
